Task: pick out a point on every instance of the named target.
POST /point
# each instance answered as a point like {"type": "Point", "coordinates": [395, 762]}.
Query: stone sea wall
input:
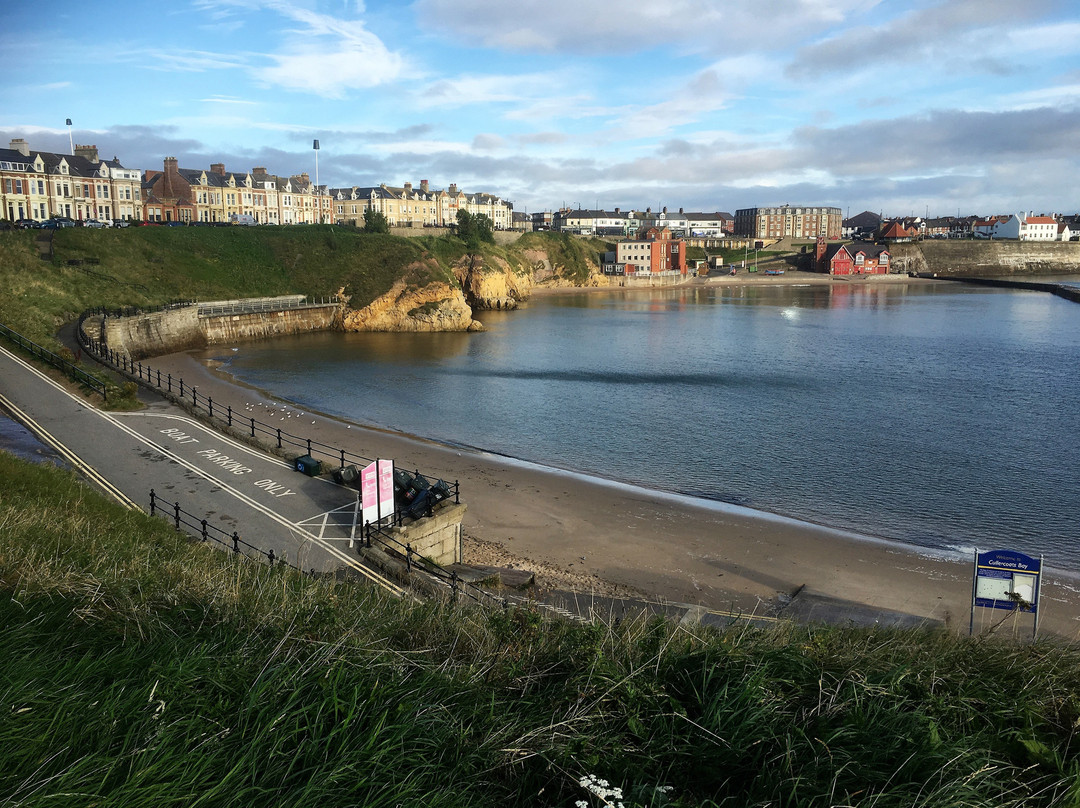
{"type": "Point", "coordinates": [988, 258]}
{"type": "Point", "coordinates": [182, 329]}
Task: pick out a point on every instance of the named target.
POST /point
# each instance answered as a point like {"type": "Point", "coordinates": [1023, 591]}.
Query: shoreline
{"type": "Point", "coordinates": [608, 538]}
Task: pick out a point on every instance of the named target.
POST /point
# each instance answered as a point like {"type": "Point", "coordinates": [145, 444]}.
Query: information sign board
{"type": "Point", "coordinates": [1006, 579]}
{"type": "Point", "coordinates": [386, 488]}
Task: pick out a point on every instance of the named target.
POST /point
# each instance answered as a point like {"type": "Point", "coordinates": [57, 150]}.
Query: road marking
{"type": "Point", "coordinates": [53, 442]}
{"type": "Point", "coordinates": [273, 515]}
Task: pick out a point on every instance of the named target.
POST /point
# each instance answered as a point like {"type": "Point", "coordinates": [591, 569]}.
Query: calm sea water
{"type": "Point", "coordinates": [941, 415]}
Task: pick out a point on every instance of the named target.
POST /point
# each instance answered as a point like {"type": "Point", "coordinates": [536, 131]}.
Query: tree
{"type": "Point", "coordinates": [375, 222]}
{"type": "Point", "coordinates": [474, 229]}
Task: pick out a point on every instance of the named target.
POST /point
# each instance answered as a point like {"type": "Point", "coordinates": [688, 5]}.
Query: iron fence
{"type": "Point", "coordinates": [224, 414]}
{"type": "Point", "coordinates": [73, 371]}
{"type": "Point", "coordinates": [204, 531]}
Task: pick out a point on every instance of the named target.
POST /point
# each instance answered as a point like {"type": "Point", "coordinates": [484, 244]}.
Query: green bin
{"type": "Point", "coordinates": [306, 464]}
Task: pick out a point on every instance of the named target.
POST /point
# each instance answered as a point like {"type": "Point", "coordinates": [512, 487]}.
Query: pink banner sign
{"type": "Point", "coordinates": [386, 488]}
{"type": "Point", "coordinates": [369, 494]}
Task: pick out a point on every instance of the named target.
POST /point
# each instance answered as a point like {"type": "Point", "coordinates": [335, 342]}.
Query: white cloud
{"type": "Point", "coordinates": [600, 26]}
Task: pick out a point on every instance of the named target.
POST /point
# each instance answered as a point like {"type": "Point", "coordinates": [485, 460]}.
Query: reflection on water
{"type": "Point", "coordinates": [937, 414]}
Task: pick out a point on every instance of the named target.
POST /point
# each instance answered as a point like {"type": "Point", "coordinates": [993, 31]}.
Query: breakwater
{"type": "Point", "coordinates": [1060, 289]}
{"type": "Point", "coordinates": [987, 258]}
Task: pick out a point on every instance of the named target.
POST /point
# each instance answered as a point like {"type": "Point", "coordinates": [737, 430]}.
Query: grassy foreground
{"type": "Point", "coordinates": [139, 669]}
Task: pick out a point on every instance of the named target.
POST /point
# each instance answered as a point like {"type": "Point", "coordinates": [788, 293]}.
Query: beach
{"type": "Point", "coordinates": [595, 536]}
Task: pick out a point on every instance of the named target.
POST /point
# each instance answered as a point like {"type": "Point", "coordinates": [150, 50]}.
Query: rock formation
{"type": "Point", "coordinates": [433, 307]}
{"type": "Point", "coordinates": [491, 287]}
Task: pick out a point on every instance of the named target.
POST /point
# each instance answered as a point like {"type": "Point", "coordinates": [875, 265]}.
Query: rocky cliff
{"type": "Point", "coordinates": [434, 307]}
{"type": "Point", "coordinates": [491, 283]}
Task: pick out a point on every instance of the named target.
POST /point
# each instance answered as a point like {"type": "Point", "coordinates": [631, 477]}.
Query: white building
{"type": "Point", "coordinates": [1027, 228]}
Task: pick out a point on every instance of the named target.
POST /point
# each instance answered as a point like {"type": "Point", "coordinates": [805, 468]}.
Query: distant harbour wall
{"type": "Point", "coordinates": [197, 326]}
{"type": "Point", "coordinates": [988, 258]}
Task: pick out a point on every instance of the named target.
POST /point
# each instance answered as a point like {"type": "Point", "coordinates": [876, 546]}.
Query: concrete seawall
{"type": "Point", "coordinates": [988, 258]}
{"type": "Point", "coordinates": [184, 328]}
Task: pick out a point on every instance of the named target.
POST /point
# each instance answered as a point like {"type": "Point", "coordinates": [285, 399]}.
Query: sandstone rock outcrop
{"type": "Point", "coordinates": [434, 307]}
{"type": "Point", "coordinates": [495, 286]}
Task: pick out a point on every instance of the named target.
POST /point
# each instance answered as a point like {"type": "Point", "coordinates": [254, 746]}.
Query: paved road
{"type": "Point", "coordinates": [310, 522]}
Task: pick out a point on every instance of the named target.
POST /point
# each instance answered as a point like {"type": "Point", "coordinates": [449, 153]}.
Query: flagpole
{"type": "Point", "coordinates": [71, 142]}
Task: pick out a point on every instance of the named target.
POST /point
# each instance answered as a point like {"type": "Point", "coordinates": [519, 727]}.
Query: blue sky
{"type": "Point", "coordinates": [899, 107]}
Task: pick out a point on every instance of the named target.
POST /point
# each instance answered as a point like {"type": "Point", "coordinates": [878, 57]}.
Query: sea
{"type": "Point", "coordinates": [939, 415]}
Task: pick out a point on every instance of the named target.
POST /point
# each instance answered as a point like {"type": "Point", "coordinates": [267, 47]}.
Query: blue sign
{"type": "Point", "coordinates": [1006, 579]}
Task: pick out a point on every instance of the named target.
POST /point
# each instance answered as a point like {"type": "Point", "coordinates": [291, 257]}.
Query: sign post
{"type": "Point", "coordinates": [1006, 579]}
{"type": "Point", "coordinates": [377, 491]}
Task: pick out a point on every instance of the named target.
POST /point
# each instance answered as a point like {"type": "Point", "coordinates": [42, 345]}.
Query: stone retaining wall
{"type": "Point", "coordinates": [988, 258]}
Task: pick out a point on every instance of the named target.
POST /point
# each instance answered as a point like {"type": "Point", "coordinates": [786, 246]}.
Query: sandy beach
{"type": "Point", "coordinates": [591, 535]}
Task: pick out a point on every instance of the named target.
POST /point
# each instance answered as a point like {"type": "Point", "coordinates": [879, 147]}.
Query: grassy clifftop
{"type": "Point", "coordinates": [141, 669]}
{"type": "Point", "coordinates": [152, 265]}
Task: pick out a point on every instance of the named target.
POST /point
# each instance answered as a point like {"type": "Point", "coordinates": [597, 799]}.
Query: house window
{"type": "Point", "coordinates": [18, 186]}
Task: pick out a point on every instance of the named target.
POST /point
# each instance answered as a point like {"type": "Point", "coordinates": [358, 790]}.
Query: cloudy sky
{"type": "Point", "coordinates": [901, 107]}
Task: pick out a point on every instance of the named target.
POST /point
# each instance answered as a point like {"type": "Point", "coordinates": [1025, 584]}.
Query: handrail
{"type": "Point", "coordinates": [57, 361]}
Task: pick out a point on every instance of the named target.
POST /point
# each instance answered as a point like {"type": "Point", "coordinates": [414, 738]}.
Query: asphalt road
{"type": "Point", "coordinates": [311, 522]}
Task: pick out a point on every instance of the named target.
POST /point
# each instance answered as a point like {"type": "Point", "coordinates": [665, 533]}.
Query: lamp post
{"type": "Point", "coordinates": [315, 146]}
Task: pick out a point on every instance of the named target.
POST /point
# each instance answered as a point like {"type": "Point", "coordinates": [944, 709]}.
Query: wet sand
{"type": "Point", "coordinates": [613, 539]}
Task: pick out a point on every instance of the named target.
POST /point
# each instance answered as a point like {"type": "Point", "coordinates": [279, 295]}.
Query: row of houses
{"type": "Point", "coordinates": [39, 185]}
{"type": "Point", "coordinates": [629, 223]}
{"type": "Point", "coordinates": [1017, 226]}
{"type": "Point", "coordinates": [658, 250]}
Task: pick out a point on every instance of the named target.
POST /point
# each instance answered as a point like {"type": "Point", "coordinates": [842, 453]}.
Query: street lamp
{"type": "Point", "coordinates": [315, 146]}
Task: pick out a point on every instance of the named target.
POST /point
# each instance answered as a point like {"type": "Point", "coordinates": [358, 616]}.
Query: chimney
{"type": "Point", "coordinates": [424, 186]}
{"type": "Point", "coordinates": [171, 165]}
{"type": "Point", "coordinates": [21, 146]}
{"type": "Point", "coordinates": [218, 168]}
{"type": "Point", "coordinates": [453, 189]}
{"type": "Point", "coordinates": [408, 187]}
{"type": "Point", "coordinates": [305, 178]}
{"type": "Point", "coordinates": [680, 211]}
{"type": "Point", "coordinates": [617, 211]}
{"type": "Point", "coordinates": [88, 152]}
{"type": "Point", "coordinates": [665, 210]}
{"type": "Point", "coordinates": [258, 170]}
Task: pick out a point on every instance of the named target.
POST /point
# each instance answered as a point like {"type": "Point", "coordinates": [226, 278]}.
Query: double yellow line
{"type": "Point", "coordinates": [43, 435]}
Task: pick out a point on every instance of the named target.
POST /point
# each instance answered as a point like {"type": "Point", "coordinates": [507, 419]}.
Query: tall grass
{"type": "Point", "coordinates": [138, 668]}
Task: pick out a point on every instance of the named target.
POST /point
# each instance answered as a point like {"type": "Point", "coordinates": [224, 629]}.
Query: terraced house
{"type": "Point", "coordinates": [417, 206]}
{"type": "Point", "coordinates": [38, 185]}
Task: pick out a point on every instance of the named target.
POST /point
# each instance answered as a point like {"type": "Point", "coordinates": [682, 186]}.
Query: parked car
{"type": "Point", "coordinates": [175, 224]}
{"type": "Point", "coordinates": [94, 223]}
{"type": "Point", "coordinates": [25, 224]}
{"type": "Point", "coordinates": [120, 223]}
{"type": "Point", "coordinates": [57, 222]}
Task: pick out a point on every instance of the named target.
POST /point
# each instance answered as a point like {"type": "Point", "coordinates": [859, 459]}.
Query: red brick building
{"type": "Point", "coordinates": [857, 258]}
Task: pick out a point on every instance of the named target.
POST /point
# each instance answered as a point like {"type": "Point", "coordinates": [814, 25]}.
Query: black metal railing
{"type": "Point", "coordinates": [204, 531]}
{"type": "Point", "coordinates": [73, 371]}
{"type": "Point", "coordinates": [224, 414]}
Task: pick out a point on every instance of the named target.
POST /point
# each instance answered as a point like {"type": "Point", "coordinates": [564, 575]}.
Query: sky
{"type": "Point", "coordinates": [936, 108]}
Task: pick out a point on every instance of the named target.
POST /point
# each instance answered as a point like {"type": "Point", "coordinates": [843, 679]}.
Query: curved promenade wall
{"type": "Point", "coordinates": [182, 329]}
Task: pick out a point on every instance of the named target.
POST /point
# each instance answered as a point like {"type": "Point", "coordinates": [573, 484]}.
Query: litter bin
{"type": "Point", "coordinates": [306, 464]}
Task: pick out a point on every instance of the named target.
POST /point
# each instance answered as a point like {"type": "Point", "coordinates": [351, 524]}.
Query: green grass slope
{"type": "Point", "coordinates": [137, 668]}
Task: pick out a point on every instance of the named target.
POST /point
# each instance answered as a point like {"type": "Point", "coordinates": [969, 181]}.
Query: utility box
{"type": "Point", "coordinates": [306, 464]}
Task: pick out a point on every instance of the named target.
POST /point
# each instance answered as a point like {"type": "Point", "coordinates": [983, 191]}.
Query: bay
{"type": "Point", "coordinates": [938, 415]}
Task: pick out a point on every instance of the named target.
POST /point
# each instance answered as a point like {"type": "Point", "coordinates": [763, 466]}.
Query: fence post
{"type": "Point", "coordinates": [153, 501]}
{"type": "Point", "coordinates": [457, 492]}
{"type": "Point", "coordinates": [235, 542]}
{"type": "Point", "coordinates": [253, 427]}
{"type": "Point", "coordinates": [342, 458]}
{"type": "Point", "coordinates": [159, 378]}
{"type": "Point", "coordinates": [205, 536]}
{"type": "Point", "coordinates": [230, 414]}
{"type": "Point", "coordinates": [279, 438]}
{"type": "Point", "coordinates": [176, 514]}
{"type": "Point", "coordinates": [195, 397]}
{"type": "Point", "coordinates": [270, 556]}
{"type": "Point", "coordinates": [453, 581]}
{"type": "Point", "coordinates": [408, 558]}
{"type": "Point", "coordinates": [309, 446]}
{"type": "Point", "coordinates": [210, 403]}
{"type": "Point", "coordinates": [181, 388]}
{"type": "Point", "coordinates": [169, 380]}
